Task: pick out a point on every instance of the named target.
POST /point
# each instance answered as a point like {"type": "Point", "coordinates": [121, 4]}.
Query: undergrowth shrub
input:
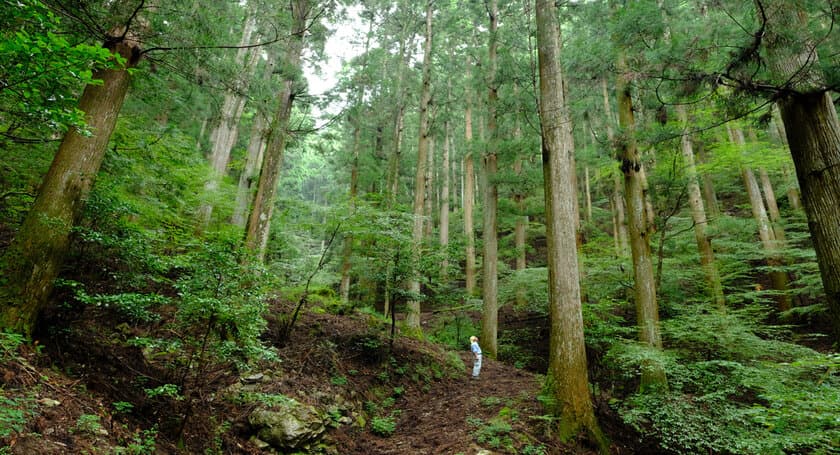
{"type": "Point", "coordinates": [732, 391]}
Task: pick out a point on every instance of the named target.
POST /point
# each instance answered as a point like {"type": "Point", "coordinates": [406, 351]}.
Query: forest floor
{"type": "Point", "coordinates": [68, 388]}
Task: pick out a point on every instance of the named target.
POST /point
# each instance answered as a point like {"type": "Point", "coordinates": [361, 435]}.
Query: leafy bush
{"type": "Point", "coordinates": [383, 426]}
{"type": "Point", "coordinates": [14, 413]}
{"type": "Point", "coordinates": [731, 391]}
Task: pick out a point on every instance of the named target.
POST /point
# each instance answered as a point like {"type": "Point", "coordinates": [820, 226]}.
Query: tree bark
{"type": "Point", "coordinates": [259, 221]}
{"type": "Point", "coordinates": [698, 216]}
{"type": "Point", "coordinates": [619, 210]}
{"type": "Point", "coordinates": [412, 318]}
{"type": "Point", "coordinates": [393, 181]}
{"type": "Point", "coordinates": [710, 200]}
{"type": "Point", "coordinates": [347, 255]}
{"type": "Point", "coordinates": [224, 135]}
{"type": "Point", "coordinates": [428, 211]}
{"type": "Point", "coordinates": [567, 373]}
{"type": "Point", "coordinates": [443, 234]}
{"type": "Point", "coordinates": [251, 170]}
{"type": "Point", "coordinates": [790, 181]}
{"type": "Point", "coordinates": [34, 259]}
{"type": "Point", "coordinates": [490, 257]}
{"type": "Point", "coordinates": [469, 201]}
{"type": "Point", "coordinates": [765, 230]}
{"type": "Point", "coordinates": [647, 311]}
{"type": "Point", "coordinates": [813, 135]}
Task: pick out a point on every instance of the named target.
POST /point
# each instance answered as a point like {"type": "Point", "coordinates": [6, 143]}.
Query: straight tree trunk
{"type": "Point", "coordinates": [347, 255]}
{"type": "Point", "coordinates": [428, 211]}
{"type": "Point", "coordinates": [344, 286]}
{"type": "Point", "coordinates": [765, 229]}
{"type": "Point", "coordinates": [444, 202]}
{"type": "Point", "coordinates": [567, 373]}
{"type": "Point", "coordinates": [772, 206]}
{"type": "Point", "coordinates": [251, 171]}
{"type": "Point", "coordinates": [698, 216]}
{"type": "Point", "coordinates": [619, 211]}
{"type": "Point", "coordinates": [393, 181]}
{"type": "Point", "coordinates": [709, 195]}
{"type": "Point", "coordinates": [813, 135]}
{"type": "Point", "coordinates": [520, 230]}
{"type": "Point", "coordinates": [224, 135]}
{"type": "Point", "coordinates": [34, 259]}
{"type": "Point", "coordinates": [412, 318]}
{"type": "Point", "coordinates": [469, 201]}
{"type": "Point", "coordinates": [259, 221]}
{"type": "Point", "coordinates": [587, 191]}
{"type": "Point", "coordinates": [647, 310]}
{"type": "Point", "coordinates": [490, 259]}
{"type": "Point", "coordinates": [790, 181]}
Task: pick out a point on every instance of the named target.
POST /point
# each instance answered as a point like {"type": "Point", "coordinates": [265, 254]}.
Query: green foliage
{"type": "Point", "coordinates": [538, 449]}
{"type": "Point", "coordinates": [9, 344]}
{"type": "Point", "coordinates": [122, 407]}
{"type": "Point", "coordinates": [14, 413]}
{"type": "Point", "coordinates": [383, 426]}
{"type": "Point", "coordinates": [142, 443]}
{"type": "Point", "coordinates": [88, 423]}
{"type": "Point", "coordinates": [732, 391]}
{"type": "Point", "coordinates": [167, 390]}
{"type": "Point", "coordinates": [42, 70]}
{"type": "Point", "coordinates": [132, 305]}
{"type": "Point", "coordinates": [495, 433]}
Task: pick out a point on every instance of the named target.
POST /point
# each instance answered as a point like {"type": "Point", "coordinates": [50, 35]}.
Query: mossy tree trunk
{"type": "Point", "coordinates": [259, 220]}
{"type": "Point", "coordinates": [33, 260]}
{"type": "Point", "coordinates": [644, 285]}
{"type": "Point", "coordinates": [567, 353]}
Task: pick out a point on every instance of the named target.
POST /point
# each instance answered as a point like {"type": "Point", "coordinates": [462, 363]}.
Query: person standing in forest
{"type": "Point", "coordinates": [476, 351]}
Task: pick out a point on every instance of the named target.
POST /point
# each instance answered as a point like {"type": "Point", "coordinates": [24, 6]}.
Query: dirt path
{"type": "Point", "coordinates": [445, 420]}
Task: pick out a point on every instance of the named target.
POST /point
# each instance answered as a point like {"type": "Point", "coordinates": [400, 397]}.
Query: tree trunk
{"type": "Point", "coordinates": [647, 311]}
{"type": "Point", "coordinates": [412, 318]}
{"type": "Point", "coordinates": [344, 286]}
{"type": "Point", "coordinates": [813, 135]}
{"type": "Point", "coordinates": [347, 255]}
{"type": "Point", "coordinates": [490, 257]}
{"type": "Point", "coordinates": [469, 202]}
{"type": "Point", "coordinates": [765, 229]}
{"type": "Point", "coordinates": [34, 259]}
{"type": "Point", "coordinates": [444, 203]}
{"type": "Point", "coordinates": [253, 160]}
{"type": "Point", "coordinates": [709, 195]}
{"type": "Point", "coordinates": [520, 231]}
{"type": "Point", "coordinates": [698, 216]}
{"type": "Point", "coordinates": [790, 182]}
{"type": "Point", "coordinates": [393, 180]}
{"type": "Point", "coordinates": [428, 211]}
{"type": "Point", "coordinates": [224, 135]}
{"type": "Point", "coordinates": [259, 221]}
{"type": "Point", "coordinates": [619, 209]}
{"type": "Point", "coordinates": [567, 373]}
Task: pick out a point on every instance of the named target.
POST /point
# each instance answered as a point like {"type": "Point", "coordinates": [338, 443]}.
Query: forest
{"type": "Point", "coordinates": [273, 226]}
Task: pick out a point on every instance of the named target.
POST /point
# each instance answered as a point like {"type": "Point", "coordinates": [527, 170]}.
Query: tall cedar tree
{"type": "Point", "coordinates": [567, 352]}
{"type": "Point", "coordinates": [33, 260]}
{"type": "Point", "coordinates": [813, 134]}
